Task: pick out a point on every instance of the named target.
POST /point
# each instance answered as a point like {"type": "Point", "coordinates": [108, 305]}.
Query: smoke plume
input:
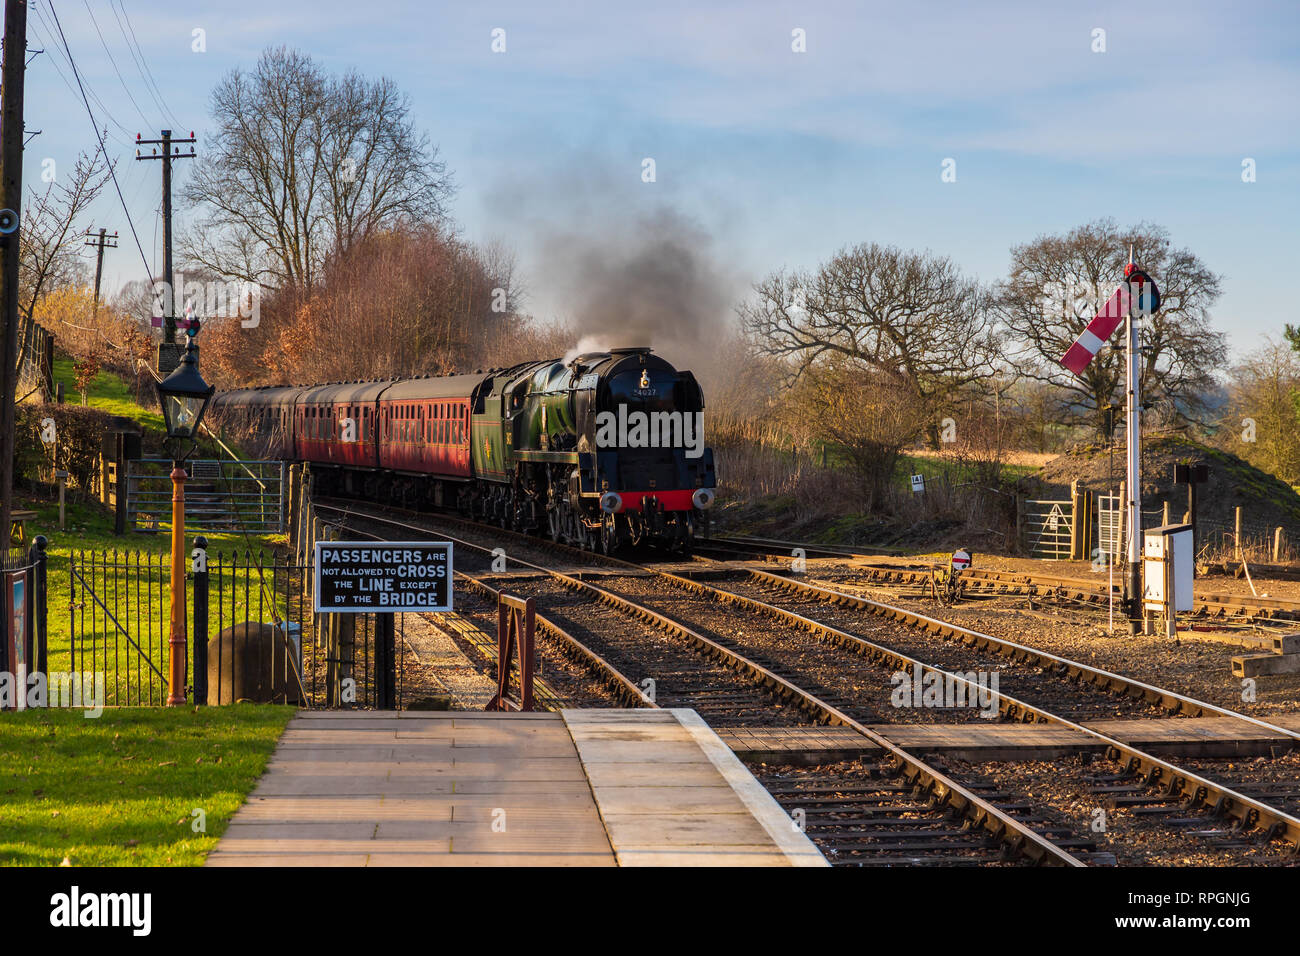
{"type": "Point", "coordinates": [651, 281]}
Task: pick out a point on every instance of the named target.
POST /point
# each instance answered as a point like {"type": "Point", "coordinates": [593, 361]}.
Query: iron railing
{"type": "Point", "coordinates": [219, 495]}
{"type": "Point", "coordinates": [250, 633]}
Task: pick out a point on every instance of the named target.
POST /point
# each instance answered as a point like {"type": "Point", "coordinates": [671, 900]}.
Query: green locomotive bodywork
{"type": "Point", "coordinates": [534, 440]}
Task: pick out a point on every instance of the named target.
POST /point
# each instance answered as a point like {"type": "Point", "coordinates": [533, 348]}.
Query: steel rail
{"type": "Point", "coordinates": [986, 581]}
{"type": "Point", "coordinates": [1114, 683]}
{"type": "Point", "coordinates": [1170, 700]}
{"type": "Point", "coordinates": [1011, 582]}
{"type": "Point", "coordinates": [1019, 837]}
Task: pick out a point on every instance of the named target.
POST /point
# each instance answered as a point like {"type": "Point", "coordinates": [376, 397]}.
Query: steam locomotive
{"type": "Point", "coordinates": [600, 451]}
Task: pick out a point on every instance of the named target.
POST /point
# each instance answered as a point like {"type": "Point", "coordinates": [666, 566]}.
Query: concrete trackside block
{"type": "Point", "coordinates": [1286, 643]}
{"type": "Point", "coordinates": [1258, 665]}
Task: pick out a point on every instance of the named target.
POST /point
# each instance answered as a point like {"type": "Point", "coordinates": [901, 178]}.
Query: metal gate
{"type": "Point", "coordinates": [119, 624]}
{"type": "Point", "coordinates": [1045, 530]}
{"type": "Point", "coordinates": [1109, 517]}
{"type": "Point", "coordinates": [1110, 524]}
{"type": "Point", "coordinates": [245, 613]}
{"type": "Point", "coordinates": [219, 495]}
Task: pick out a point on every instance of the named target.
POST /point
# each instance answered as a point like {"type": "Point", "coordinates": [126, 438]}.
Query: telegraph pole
{"type": "Point", "coordinates": [169, 152]}
{"type": "Point", "coordinates": [103, 242]}
{"type": "Point", "coordinates": [11, 198]}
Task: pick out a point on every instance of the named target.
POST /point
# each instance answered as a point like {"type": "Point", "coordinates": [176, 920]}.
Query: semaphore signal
{"type": "Point", "coordinates": [1137, 296]}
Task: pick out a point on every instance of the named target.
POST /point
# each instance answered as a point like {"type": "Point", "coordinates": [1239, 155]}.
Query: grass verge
{"type": "Point", "coordinates": [121, 789]}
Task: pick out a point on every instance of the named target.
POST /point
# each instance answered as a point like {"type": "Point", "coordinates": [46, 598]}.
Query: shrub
{"type": "Point", "coordinates": [79, 434]}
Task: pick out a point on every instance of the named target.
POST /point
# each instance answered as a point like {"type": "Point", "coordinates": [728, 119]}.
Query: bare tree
{"type": "Point", "coordinates": [417, 286]}
{"type": "Point", "coordinates": [302, 166]}
{"type": "Point", "coordinates": [50, 245]}
{"type": "Point", "coordinates": [1056, 286]}
{"type": "Point", "coordinates": [1262, 420]}
{"type": "Point", "coordinates": [867, 416]}
{"type": "Point", "coordinates": [909, 319]}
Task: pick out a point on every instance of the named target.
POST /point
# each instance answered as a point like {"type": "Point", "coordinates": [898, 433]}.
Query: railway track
{"type": "Point", "coordinates": [943, 797]}
{"type": "Point", "coordinates": [797, 670]}
{"type": "Point", "coordinates": [995, 583]}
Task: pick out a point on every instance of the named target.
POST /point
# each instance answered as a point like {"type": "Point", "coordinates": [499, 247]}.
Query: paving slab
{"type": "Point", "coordinates": [703, 809]}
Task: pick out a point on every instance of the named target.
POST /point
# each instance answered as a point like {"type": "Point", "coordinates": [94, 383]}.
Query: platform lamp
{"type": "Point", "coordinates": [184, 397]}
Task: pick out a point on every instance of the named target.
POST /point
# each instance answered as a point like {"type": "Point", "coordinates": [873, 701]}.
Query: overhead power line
{"type": "Point", "coordinates": [113, 61]}
{"type": "Point", "coordinates": [103, 107]}
{"type": "Point", "coordinates": [103, 151]}
{"type": "Point", "coordinates": [141, 63]}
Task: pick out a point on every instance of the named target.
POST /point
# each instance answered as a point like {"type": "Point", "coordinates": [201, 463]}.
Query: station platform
{"type": "Point", "coordinates": [462, 788]}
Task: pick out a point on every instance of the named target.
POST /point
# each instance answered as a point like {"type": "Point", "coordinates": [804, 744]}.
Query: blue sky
{"type": "Point", "coordinates": [780, 157]}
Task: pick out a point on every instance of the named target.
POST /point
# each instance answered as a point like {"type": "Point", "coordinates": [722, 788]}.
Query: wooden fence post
{"type": "Point", "coordinates": [291, 520]}
{"type": "Point", "coordinates": [1236, 532]}
{"type": "Point", "coordinates": [1020, 519]}
{"type": "Point", "coordinates": [1277, 545]}
{"type": "Point", "coordinates": [284, 497]}
{"type": "Point", "coordinates": [103, 479]}
{"type": "Point", "coordinates": [1076, 519]}
{"type": "Point", "coordinates": [120, 486]}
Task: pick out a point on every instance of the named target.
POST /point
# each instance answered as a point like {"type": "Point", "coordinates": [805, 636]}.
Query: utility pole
{"type": "Point", "coordinates": [170, 152]}
{"type": "Point", "coordinates": [11, 198]}
{"type": "Point", "coordinates": [103, 242]}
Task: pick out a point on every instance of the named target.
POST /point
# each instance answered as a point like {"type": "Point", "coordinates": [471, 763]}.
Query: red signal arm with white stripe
{"type": "Point", "coordinates": [1091, 339]}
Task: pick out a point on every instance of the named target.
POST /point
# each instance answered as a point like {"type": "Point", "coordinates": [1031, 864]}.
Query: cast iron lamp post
{"type": "Point", "coordinates": [184, 397]}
